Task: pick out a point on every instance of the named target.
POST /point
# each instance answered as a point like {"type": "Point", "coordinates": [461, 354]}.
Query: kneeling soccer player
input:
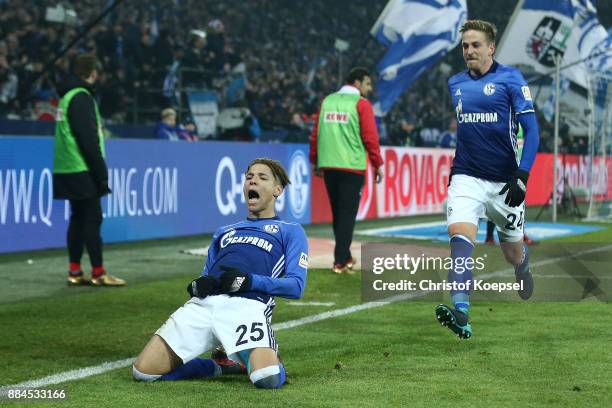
{"type": "Point", "coordinates": [231, 303]}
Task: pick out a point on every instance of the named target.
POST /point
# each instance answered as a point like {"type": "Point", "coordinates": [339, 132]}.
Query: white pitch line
{"type": "Point", "coordinates": [311, 303]}
{"type": "Point", "coordinates": [108, 366]}
{"type": "Point", "coordinates": [68, 376]}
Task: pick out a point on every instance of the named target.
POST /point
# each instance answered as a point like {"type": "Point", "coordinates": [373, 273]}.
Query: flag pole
{"type": "Point", "coordinates": [558, 59]}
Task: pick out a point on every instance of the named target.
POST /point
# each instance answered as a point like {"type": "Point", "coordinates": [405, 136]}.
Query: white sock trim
{"type": "Point", "coordinates": [142, 376]}
{"type": "Point", "coordinates": [463, 237]}
{"type": "Point", "coordinates": [264, 372]}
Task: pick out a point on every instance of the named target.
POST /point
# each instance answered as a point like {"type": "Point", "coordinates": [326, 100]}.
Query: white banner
{"type": "Point", "coordinates": [204, 108]}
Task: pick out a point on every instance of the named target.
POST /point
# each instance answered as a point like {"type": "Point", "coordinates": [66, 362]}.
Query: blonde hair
{"type": "Point", "coordinates": [483, 26]}
{"type": "Point", "coordinates": [168, 112]}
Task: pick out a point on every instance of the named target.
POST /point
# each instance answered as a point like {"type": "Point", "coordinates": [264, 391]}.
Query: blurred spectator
{"type": "Point", "coordinates": [188, 130]}
{"type": "Point", "coordinates": [448, 139]}
{"type": "Point", "coordinates": [167, 129]}
{"type": "Point", "coordinates": [428, 137]}
{"type": "Point", "coordinates": [278, 55]}
{"type": "Point", "coordinates": [238, 124]}
{"type": "Point", "coordinates": [546, 141]}
{"type": "Point", "coordinates": [405, 134]}
{"type": "Point", "coordinates": [8, 84]}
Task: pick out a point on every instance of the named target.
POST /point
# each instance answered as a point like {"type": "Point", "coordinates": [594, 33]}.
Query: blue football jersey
{"type": "Point", "coordinates": [487, 109]}
{"type": "Point", "coordinates": [273, 252]}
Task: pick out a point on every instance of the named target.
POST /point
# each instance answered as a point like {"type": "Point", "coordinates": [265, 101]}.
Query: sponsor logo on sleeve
{"type": "Point", "coordinates": [526, 93]}
{"type": "Point", "coordinates": [304, 261]}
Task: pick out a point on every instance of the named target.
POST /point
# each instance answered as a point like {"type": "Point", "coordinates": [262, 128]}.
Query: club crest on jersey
{"type": "Point", "coordinates": [271, 228]}
{"type": "Point", "coordinates": [489, 89]}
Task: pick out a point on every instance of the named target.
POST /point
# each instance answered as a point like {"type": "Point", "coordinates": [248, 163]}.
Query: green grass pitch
{"type": "Point", "coordinates": [523, 354]}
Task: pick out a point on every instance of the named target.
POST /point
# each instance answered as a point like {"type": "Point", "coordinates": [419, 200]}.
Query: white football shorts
{"type": "Point", "coordinates": [471, 198]}
{"type": "Point", "coordinates": [236, 323]}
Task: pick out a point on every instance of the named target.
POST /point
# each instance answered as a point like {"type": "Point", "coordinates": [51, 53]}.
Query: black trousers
{"type": "Point", "coordinates": [84, 230]}
{"type": "Point", "coordinates": [344, 191]}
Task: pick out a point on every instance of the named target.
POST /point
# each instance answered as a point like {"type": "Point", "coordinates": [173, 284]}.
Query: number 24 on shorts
{"type": "Point", "coordinates": [512, 219]}
{"type": "Point", "coordinates": [256, 333]}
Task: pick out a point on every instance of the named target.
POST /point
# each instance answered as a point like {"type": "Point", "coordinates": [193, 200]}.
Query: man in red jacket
{"type": "Point", "coordinates": [342, 139]}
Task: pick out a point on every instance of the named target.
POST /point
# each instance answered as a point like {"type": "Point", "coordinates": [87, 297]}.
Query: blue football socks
{"type": "Point", "coordinates": [461, 250]}
{"type": "Point", "coordinates": [196, 368]}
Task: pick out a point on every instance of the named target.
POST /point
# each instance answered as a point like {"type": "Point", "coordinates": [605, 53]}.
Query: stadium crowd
{"type": "Point", "coordinates": [276, 58]}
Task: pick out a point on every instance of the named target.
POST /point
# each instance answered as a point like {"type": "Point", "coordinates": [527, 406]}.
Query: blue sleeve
{"type": "Point", "coordinates": [211, 257]}
{"type": "Point", "coordinates": [293, 282]}
{"type": "Point", "coordinates": [522, 104]}
{"type": "Point", "coordinates": [531, 134]}
{"type": "Point", "coordinates": [520, 95]}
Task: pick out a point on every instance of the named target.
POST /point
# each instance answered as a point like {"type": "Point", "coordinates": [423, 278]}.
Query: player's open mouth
{"type": "Point", "coordinates": [253, 196]}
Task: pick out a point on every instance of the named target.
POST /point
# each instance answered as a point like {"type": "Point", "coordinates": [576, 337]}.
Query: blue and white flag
{"type": "Point", "coordinates": [418, 33]}
{"type": "Point", "coordinates": [594, 42]}
{"type": "Point", "coordinates": [539, 30]}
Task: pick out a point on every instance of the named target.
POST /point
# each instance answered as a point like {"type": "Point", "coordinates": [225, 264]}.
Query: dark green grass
{"type": "Point", "coordinates": [395, 355]}
{"type": "Point", "coordinates": [522, 354]}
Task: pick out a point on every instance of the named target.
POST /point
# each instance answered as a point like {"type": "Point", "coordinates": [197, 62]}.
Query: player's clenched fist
{"type": "Point", "coordinates": [233, 280]}
{"type": "Point", "coordinates": [516, 189]}
{"type": "Point", "coordinates": [202, 286]}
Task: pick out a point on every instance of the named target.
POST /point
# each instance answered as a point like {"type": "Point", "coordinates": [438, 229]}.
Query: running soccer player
{"type": "Point", "coordinates": [488, 177]}
{"type": "Point", "coordinates": [231, 303]}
